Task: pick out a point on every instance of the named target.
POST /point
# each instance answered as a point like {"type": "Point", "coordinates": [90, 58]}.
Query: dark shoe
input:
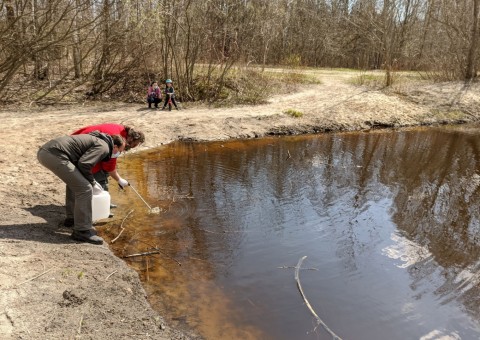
{"type": "Point", "coordinates": [163, 108]}
{"type": "Point", "coordinates": [68, 223]}
{"type": "Point", "coordinates": [112, 206]}
{"type": "Point", "coordinates": [110, 216]}
{"type": "Point", "coordinates": [176, 108]}
{"type": "Point", "coordinates": [87, 236]}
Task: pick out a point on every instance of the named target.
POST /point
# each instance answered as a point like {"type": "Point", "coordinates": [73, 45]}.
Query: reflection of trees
{"type": "Point", "coordinates": [426, 179]}
{"type": "Point", "coordinates": [437, 206]}
{"type": "Point", "coordinates": [438, 196]}
{"type": "Point", "coordinates": [432, 177]}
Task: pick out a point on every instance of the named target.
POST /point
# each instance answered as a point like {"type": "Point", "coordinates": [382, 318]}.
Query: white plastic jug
{"type": "Point", "coordinates": [100, 206]}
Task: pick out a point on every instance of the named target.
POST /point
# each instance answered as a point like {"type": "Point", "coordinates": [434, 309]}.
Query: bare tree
{"type": "Point", "coordinates": [103, 43]}
{"type": "Point", "coordinates": [471, 71]}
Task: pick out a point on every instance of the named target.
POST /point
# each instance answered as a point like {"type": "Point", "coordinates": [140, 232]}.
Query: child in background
{"type": "Point", "coordinates": [169, 95]}
{"type": "Point", "coordinates": [154, 95]}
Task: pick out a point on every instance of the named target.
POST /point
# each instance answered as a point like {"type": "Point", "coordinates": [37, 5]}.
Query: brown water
{"type": "Point", "coordinates": [389, 222]}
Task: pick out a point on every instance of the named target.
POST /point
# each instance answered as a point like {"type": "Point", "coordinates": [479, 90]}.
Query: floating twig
{"type": "Point", "coordinates": [121, 226]}
{"type": "Point", "coordinates": [288, 153]}
{"type": "Point", "coordinates": [168, 256]}
{"type": "Point", "coordinates": [119, 234]}
{"type": "Point", "coordinates": [143, 254]}
{"type": "Point", "coordinates": [299, 285]}
{"type": "Point", "coordinates": [227, 231]}
{"type": "Point", "coordinates": [110, 274]}
{"type": "Point", "coordinates": [36, 277]}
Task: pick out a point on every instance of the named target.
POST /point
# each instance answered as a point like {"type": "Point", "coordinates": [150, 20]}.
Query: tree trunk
{"type": "Point", "coordinates": [472, 53]}
{"type": "Point", "coordinates": [77, 56]}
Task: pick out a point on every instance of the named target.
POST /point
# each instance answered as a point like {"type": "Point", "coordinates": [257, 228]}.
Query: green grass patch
{"type": "Point", "coordinates": [449, 114]}
{"type": "Point", "coordinates": [371, 80]}
{"type": "Point", "coordinates": [247, 86]}
{"type": "Point", "coordinates": [293, 113]}
{"type": "Point", "coordinates": [342, 69]}
{"type": "Point", "coordinates": [292, 78]}
{"type": "Point", "coordinates": [378, 79]}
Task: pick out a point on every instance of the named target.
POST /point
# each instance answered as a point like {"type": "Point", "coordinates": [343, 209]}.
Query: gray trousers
{"type": "Point", "coordinates": [79, 191]}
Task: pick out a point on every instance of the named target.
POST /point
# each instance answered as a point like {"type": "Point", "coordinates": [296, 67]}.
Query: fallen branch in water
{"type": "Point", "coordinates": [121, 226]}
{"type": "Point", "coordinates": [160, 251]}
{"type": "Point", "coordinates": [299, 285]}
{"type": "Point", "coordinates": [292, 267]}
{"type": "Point", "coordinates": [143, 254]}
{"type": "Point", "coordinates": [148, 276]}
{"type": "Point", "coordinates": [227, 231]}
{"type": "Point", "coordinates": [168, 256]}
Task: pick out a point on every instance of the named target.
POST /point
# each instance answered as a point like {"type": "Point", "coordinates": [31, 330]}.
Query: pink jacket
{"type": "Point", "coordinates": [157, 92]}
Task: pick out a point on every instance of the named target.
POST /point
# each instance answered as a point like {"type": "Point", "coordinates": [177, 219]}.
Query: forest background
{"type": "Point", "coordinates": [217, 50]}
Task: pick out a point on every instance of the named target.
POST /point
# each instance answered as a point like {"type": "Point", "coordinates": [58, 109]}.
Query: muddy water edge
{"type": "Point", "coordinates": [388, 220]}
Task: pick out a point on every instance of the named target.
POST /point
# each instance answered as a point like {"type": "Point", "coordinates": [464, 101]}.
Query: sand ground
{"type": "Point", "coordinates": [54, 288]}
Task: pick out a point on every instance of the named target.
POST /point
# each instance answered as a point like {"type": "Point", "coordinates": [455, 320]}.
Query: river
{"type": "Point", "coordinates": [389, 223]}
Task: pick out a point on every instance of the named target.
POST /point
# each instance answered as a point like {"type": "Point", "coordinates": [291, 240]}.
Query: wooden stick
{"type": "Point", "coordinates": [135, 191]}
{"type": "Point", "coordinates": [110, 274]}
{"type": "Point", "coordinates": [143, 254]}
{"type": "Point", "coordinates": [227, 231]}
{"type": "Point", "coordinates": [168, 256]}
{"type": "Point", "coordinates": [126, 216]}
{"type": "Point", "coordinates": [36, 277]}
{"type": "Point", "coordinates": [148, 275]}
{"type": "Point", "coordinates": [119, 234]}
{"type": "Point", "coordinates": [299, 285]}
{"type": "Point", "coordinates": [160, 251]}
{"type": "Point", "coordinates": [292, 267]}
{"type": "Point", "coordinates": [80, 325]}
{"type": "Point", "coordinates": [121, 226]}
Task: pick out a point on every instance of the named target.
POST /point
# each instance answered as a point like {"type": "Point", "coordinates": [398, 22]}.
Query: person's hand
{"type": "Point", "coordinates": [122, 183]}
{"type": "Point", "coordinates": [97, 188]}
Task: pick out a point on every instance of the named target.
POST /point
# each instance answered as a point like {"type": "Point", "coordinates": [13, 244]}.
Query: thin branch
{"type": "Point", "coordinates": [299, 285]}
{"type": "Point", "coordinates": [160, 251]}
{"type": "Point", "coordinates": [148, 275]}
{"type": "Point", "coordinates": [36, 277]}
{"type": "Point", "coordinates": [288, 153]}
{"type": "Point", "coordinates": [168, 256]}
{"type": "Point", "coordinates": [80, 325]}
{"type": "Point", "coordinates": [121, 226]}
{"type": "Point", "coordinates": [143, 254]}
{"type": "Point", "coordinates": [110, 274]}
{"type": "Point", "coordinates": [116, 238]}
{"type": "Point", "coordinates": [292, 267]}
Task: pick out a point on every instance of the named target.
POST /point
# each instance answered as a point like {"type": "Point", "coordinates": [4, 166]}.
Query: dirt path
{"type": "Point", "coordinates": [53, 288]}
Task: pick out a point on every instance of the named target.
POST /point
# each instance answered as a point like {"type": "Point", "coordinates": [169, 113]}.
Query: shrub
{"type": "Point", "coordinates": [293, 113]}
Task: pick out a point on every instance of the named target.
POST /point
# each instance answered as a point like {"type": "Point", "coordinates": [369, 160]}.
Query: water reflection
{"type": "Point", "coordinates": [389, 219]}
